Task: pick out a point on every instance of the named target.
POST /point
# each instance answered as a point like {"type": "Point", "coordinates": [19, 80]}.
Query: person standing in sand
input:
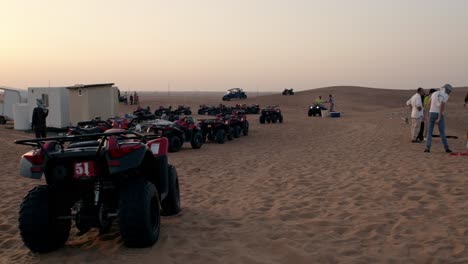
{"type": "Point", "coordinates": [39, 119]}
{"type": "Point", "coordinates": [426, 106]}
{"type": "Point", "coordinates": [415, 103]}
{"type": "Point", "coordinates": [331, 101]}
{"type": "Point", "coordinates": [436, 116]}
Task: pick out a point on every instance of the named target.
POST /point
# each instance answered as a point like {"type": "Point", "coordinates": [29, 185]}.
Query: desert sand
{"type": "Point", "coordinates": [311, 190]}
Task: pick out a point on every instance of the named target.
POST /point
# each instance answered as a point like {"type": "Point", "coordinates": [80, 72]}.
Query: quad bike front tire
{"type": "Point", "coordinates": [197, 140]}
{"type": "Point", "coordinates": [39, 226]}
{"type": "Point", "coordinates": [219, 137]}
{"type": "Point", "coordinates": [2, 120]}
{"type": "Point", "coordinates": [280, 119]}
{"type": "Point", "coordinates": [171, 204]}
{"type": "Point", "coordinates": [139, 214]}
{"type": "Point", "coordinates": [175, 144]}
{"type": "Point", "coordinates": [274, 119]}
{"type": "Point", "coordinates": [262, 120]}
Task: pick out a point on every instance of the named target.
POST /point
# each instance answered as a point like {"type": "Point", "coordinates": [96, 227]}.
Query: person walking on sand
{"type": "Point", "coordinates": [39, 119]}
{"type": "Point", "coordinates": [436, 116]}
{"type": "Point", "coordinates": [415, 103]}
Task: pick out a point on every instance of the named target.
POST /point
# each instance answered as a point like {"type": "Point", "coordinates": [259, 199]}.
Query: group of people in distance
{"type": "Point", "coordinates": [427, 111]}
{"type": "Point", "coordinates": [134, 99]}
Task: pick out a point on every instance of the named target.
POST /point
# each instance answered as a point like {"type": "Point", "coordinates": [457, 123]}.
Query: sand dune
{"type": "Point", "coordinates": [310, 190]}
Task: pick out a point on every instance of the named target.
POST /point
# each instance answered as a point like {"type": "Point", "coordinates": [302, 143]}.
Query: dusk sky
{"type": "Point", "coordinates": [214, 45]}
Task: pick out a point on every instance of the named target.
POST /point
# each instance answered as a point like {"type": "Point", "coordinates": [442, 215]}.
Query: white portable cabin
{"type": "Point", "coordinates": [56, 100]}
{"type": "Point", "coordinates": [93, 100]}
{"type": "Point", "coordinates": [11, 96]}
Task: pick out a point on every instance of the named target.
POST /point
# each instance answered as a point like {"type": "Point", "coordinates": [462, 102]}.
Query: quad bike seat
{"type": "Point", "coordinates": [84, 144]}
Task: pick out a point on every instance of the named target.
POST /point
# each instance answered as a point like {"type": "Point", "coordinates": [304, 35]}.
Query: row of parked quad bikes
{"type": "Point", "coordinates": [107, 170]}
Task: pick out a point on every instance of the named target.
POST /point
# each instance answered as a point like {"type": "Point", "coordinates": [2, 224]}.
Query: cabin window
{"type": "Point", "coordinates": [45, 99]}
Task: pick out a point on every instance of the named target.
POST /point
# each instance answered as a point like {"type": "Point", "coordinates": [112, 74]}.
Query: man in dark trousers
{"type": "Point", "coordinates": [39, 119]}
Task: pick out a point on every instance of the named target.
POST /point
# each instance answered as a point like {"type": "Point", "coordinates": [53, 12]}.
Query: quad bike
{"type": "Point", "coordinates": [271, 114]}
{"type": "Point", "coordinates": [210, 110]}
{"type": "Point", "coordinates": [163, 110]}
{"type": "Point", "coordinates": [178, 132]}
{"type": "Point", "coordinates": [89, 127]}
{"type": "Point", "coordinates": [241, 121]}
{"type": "Point", "coordinates": [214, 129]}
{"type": "Point", "coordinates": [143, 114]}
{"type": "Point", "coordinates": [288, 92]}
{"type": "Point", "coordinates": [182, 110]}
{"type": "Point", "coordinates": [316, 109]}
{"type": "Point", "coordinates": [92, 180]}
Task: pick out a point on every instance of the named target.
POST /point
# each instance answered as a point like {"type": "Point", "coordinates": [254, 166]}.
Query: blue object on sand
{"type": "Point", "coordinates": [335, 114]}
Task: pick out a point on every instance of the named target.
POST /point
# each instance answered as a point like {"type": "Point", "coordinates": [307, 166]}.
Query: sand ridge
{"type": "Point", "coordinates": [310, 190]}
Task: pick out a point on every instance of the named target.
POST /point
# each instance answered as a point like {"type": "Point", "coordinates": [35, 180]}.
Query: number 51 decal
{"type": "Point", "coordinates": [83, 169]}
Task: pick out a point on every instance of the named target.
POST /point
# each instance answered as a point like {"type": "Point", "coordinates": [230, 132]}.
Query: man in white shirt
{"type": "Point", "coordinates": [437, 116]}
{"type": "Point", "coordinates": [415, 103]}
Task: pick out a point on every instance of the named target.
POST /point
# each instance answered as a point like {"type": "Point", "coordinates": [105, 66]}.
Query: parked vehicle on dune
{"type": "Point", "coordinates": [163, 111]}
{"type": "Point", "coordinates": [215, 129]}
{"type": "Point", "coordinates": [123, 122]}
{"type": "Point", "coordinates": [248, 109]}
{"type": "Point", "coordinates": [234, 93]}
{"type": "Point", "coordinates": [288, 92]}
{"type": "Point", "coordinates": [92, 180]}
{"type": "Point", "coordinates": [271, 114]}
{"type": "Point", "coordinates": [178, 132]}
{"type": "Point", "coordinates": [242, 122]}
{"type": "Point", "coordinates": [182, 110]}
{"type": "Point", "coordinates": [143, 114]}
{"type": "Point", "coordinates": [316, 109]}
{"type": "Point", "coordinates": [89, 127]}
{"type": "Point", "coordinates": [208, 110]}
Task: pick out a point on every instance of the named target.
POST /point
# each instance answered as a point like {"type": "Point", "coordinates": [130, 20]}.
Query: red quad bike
{"type": "Point", "coordinates": [215, 129]}
{"type": "Point", "coordinates": [123, 123]}
{"type": "Point", "coordinates": [89, 127]}
{"type": "Point", "coordinates": [271, 114]}
{"type": "Point", "coordinates": [242, 123]}
{"type": "Point", "coordinates": [178, 132]}
{"type": "Point", "coordinates": [117, 175]}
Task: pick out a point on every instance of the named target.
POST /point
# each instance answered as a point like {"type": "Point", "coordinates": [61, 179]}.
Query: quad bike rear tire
{"type": "Point", "coordinates": [262, 120]}
{"type": "Point", "coordinates": [245, 128]}
{"type": "Point", "coordinates": [175, 144]}
{"type": "Point", "coordinates": [2, 120]}
{"type": "Point", "coordinates": [171, 204]}
{"type": "Point", "coordinates": [274, 119]}
{"type": "Point", "coordinates": [39, 226]}
{"type": "Point", "coordinates": [220, 136]}
{"type": "Point", "coordinates": [268, 120]}
{"type": "Point", "coordinates": [139, 214]}
{"type": "Point", "coordinates": [230, 135]}
{"type": "Point", "coordinates": [237, 132]}
{"type": "Point", "coordinates": [280, 119]}
{"type": "Point", "coordinates": [197, 140]}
